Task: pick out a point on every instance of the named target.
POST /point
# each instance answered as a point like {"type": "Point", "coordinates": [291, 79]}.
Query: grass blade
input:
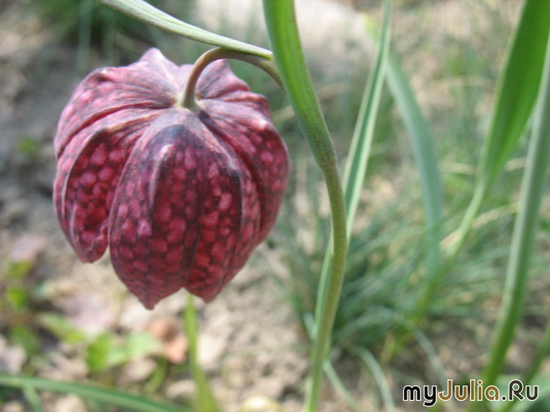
{"type": "Point", "coordinates": [430, 182]}
{"type": "Point", "coordinates": [423, 151]}
{"type": "Point", "coordinates": [341, 388]}
{"type": "Point", "coordinates": [356, 167]}
{"type": "Point", "coordinates": [523, 237]}
{"type": "Point", "coordinates": [378, 375]}
{"type": "Point", "coordinates": [110, 396]}
{"type": "Point", "coordinates": [433, 358]}
{"type": "Point", "coordinates": [32, 398]}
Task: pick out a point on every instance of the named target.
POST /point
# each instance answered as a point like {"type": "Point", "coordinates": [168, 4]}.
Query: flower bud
{"type": "Point", "coordinates": [180, 197]}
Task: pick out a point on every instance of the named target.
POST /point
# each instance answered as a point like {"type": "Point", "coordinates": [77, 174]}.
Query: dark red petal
{"type": "Point", "coordinates": [185, 214]}
{"type": "Point", "coordinates": [254, 139]}
{"type": "Point", "coordinates": [86, 178]}
{"type": "Point", "coordinates": [153, 231]}
{"type": "Point", "coordinates": [217, 81]}
{"type": "Point", "coordinates": [151, 83]}
{"type": "Point", "coordinates": [231, 221]}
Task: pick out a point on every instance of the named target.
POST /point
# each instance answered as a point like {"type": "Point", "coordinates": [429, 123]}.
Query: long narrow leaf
{"type": "Point", "coordinates": [337, 384]}
{"type": "Point", "coordinates": [356, 168]}
{"type": "Point", "coordinates": [110, 396]}
{"type": "Point", "coordinates": [517, 88]}
{"type": "Point", "coordinates": [434, 360]}
{"type": "Point", "coordinates": [32, 398]}
{"type": "Point", "coordinates": [424, 153]}
{"type": "Point", "coordinates": [145, 12]}
{"type": "Point", "coordinates": [526, 224]}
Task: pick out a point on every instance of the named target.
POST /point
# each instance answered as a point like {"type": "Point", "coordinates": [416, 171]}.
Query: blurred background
{"type": "Point", "coordinates": [65, 320]}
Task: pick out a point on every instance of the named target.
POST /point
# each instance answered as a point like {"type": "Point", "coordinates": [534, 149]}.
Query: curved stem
{"type": "Point", "coordinates": [188, 98]}
{"type": "Point", "coordinates": [283, 32]}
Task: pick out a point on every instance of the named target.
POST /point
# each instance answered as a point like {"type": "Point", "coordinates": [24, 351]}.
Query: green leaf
{"type": "Point", "coordinates": [28, 147]}
{"type": "Point", "coordinates": [32, 398]}
{"type": "Point", "coordinates": [62, 328]}
{"type": "Point", "coordinates": [517, 89]}
{"type": "Point", "coordinates": [110, 396]}
{"type": "Point", "coordinates": [356, 167]}
{"type": "Point", "coordinates": [17, 297]}
{"type": "Point", "coordinates": [25, 337]}
{"type": "Point", "coordinates": [136, 345]}
{"type": "Point", "coordinates": [18, 270]}
{"type": "Point", "coordinates": [141, 344]}
{"type": "Point", "coordinates": [432, 355]}
{"type": "Point", "coordinates": [525, 228]}
{"type": "Point", "coordinates": [145, 12]}
{"type": "Point", "coordinates": [97, 353]}
{"type": "Point", "coordinates": [430, 177]}
{"type": "Point", "coordinates": [424, 153]}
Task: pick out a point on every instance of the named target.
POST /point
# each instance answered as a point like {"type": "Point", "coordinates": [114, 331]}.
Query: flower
{"type": "Point", "coordinates": [180, 197]}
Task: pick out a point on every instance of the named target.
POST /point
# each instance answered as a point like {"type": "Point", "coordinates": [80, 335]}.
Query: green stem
{"type": "Point", "coordinates": [188, 98]}
{"type": "Point", "coordinates": [523, 238]}
{"type": "Point", "coordinates": [146, 13]}
{"type": "Point", "coordinates": [283, 32]}
{"type": "Point", "coordinates": [206, 401]}
{"type": "Point", "coordinates": [359, 152]}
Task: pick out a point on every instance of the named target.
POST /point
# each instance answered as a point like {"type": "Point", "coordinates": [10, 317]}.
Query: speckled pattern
{"type": "Point", "coordinates": [181, 198]}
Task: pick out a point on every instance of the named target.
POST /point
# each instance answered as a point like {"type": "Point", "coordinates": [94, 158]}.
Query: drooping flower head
{"type": "Point", "coordinates": [180, 197]}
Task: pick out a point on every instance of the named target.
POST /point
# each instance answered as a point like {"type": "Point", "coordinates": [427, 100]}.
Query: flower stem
{"type": "Point", "coordinates": [188, 97]}
{"type": "Point", "coordinates": [283, 32]}
{"type": "Point", "coordinates": [206, 401]}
